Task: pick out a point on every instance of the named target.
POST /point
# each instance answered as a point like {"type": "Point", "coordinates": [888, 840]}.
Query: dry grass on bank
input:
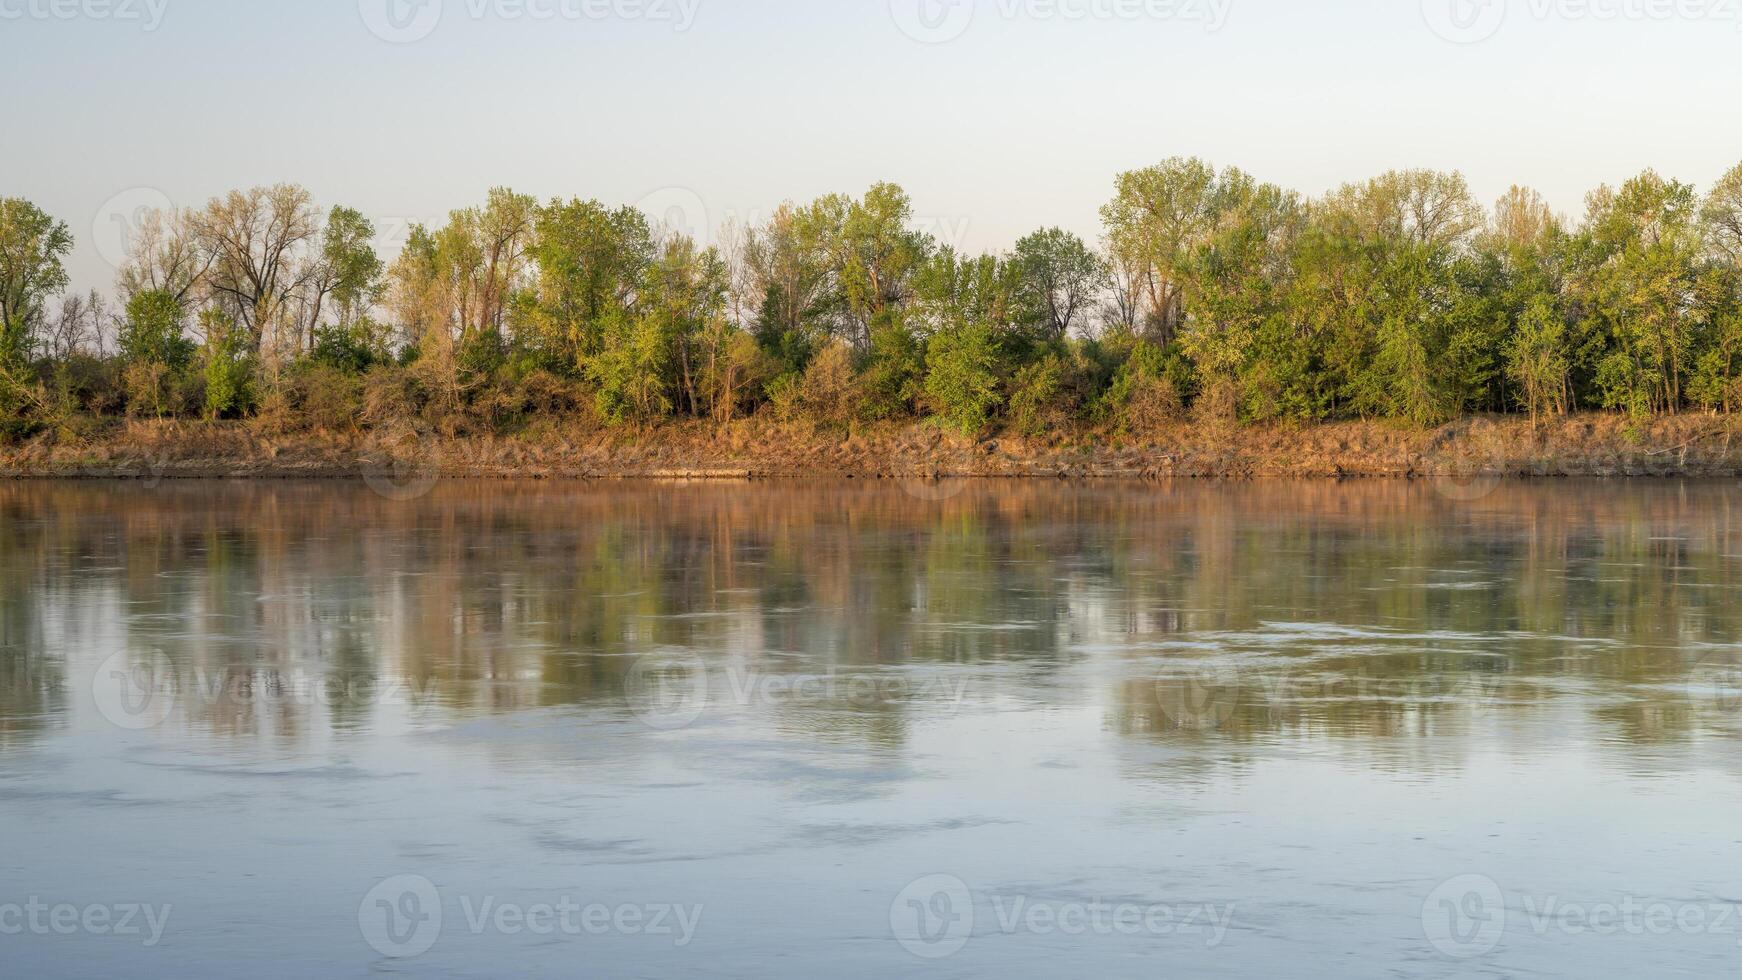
{"type": "Point", "coordinates": [1584, 445]}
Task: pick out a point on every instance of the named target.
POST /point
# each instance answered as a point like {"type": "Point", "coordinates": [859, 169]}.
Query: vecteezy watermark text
{"type": "Point", "coordinates": [142, 691]}
{"type": "Point", "coordinates": [672, 690]}
{"type": "Point", "coordinates": [1468, 916]}
{"type": "Point", "coordinates": [146, 12]}
{"type": "Point", "coordinates": [1474, 21]}
{"type": "Point", "coordinates": [405, 21]}
{"type": "Point", "coordinates": [127, 919]}
{"type": "Point", "coordinates": [938, 21]}
{"type": "Point", "coordinates": [403, 917]}
{"type": "Point", "coordinates": [935, 918]}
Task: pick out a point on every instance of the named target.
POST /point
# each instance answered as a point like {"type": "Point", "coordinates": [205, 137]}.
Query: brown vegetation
{"type": "Point", "coordinates": [763, 446]}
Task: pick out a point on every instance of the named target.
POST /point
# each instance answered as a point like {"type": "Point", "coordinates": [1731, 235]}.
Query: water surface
{"type": "Point", "coordinates": [865, 730]}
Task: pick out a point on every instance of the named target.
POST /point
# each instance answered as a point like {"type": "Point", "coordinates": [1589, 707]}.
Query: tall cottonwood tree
{"type": "Point", "coordinates": [164, 255]}
{"type": "Point", "coordinates": [255, 240]}
{"type": "Point", "coordinates": [1158, 215]}
{"type": "Point", "coordinates": [32, 245]}
{"type": "Point", "coordinates": [1060, 277]}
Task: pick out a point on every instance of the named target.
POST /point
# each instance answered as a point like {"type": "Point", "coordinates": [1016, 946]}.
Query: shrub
{"type": "Point", "coordinates": [327, 397]}
{"type": "Point", "coordinates": [962, 372]}
{"type": "Point", "coordinates": [786, 397]}
{"type": "Point", "coordinates": [632, 371]}
{"type": "Point", "coordinates": [229, 370]}
{"type": "Point", "coordinates": [739, 378]}
{"type": "Point", "coordinates": [1217, 404]}
{"type": "Point", "coordinates": [389, 395]}
{"type": "Point", "coordinates": [829, 391]}
{"type": "Point", "coordinates": [94, 384]}
{"type": "Point", "coordinates": [1152, 404]}
{"type": "Point", "coordinates": [481, 355]}
{"type": "Point", "coordinates": [893, 373]}
{"type": "Point", "coordinates": [353, 348]}
{"type": "Point", "coordinates": [1035, 396]}
{"type": "Point", "coordinates": [506, 403]}
{"type": "Point", "coordinates": [146, 385]}
{"type": "Point", "coordinates": [152, 332]}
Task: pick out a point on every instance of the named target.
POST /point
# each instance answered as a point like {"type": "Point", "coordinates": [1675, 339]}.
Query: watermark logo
{"type": "Point", "coordinates": [401, 21]}
{"type": "Point", "coordinates": [135, 691]}
{"type": "Point", "coordinates": [678, 211]}
{"type": "Point", "coordinates": [401, 917]}
{"type": "Point", "coordinates": [117, 224]}
{"type": "Point", "coordinates": [672, 690]}
{"type": "Point", "coordinates": [398, 461]}
{"type": "Point", "coordinates": [1466, 463]}
{"type": "Point", "coordinates": [1464, 21]}
{"type": "Point", "coordinates": [130, 920]}
{"type": "Point", "coordinates": [1465, 917]}
{"type": "Point", "coordinates": [1716, 682]}
{"type": "Point", "coordinates": [933, 918]}
{"type": "Point", "coordinates": [934, 489]}
{"type": "Point", "coordinates": [667, 691]}
{"type": "Point", "coordinates": [1201, 700]}
{"type": "Point", "coordinates": [933, 21]}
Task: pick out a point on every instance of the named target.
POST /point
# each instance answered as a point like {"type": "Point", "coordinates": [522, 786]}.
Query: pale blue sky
{"type": "Point", "coordinates": [1020, 121]}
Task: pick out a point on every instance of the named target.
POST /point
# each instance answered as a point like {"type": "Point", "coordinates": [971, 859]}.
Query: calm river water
{"type": "Point", "coordinates": [851, 730]}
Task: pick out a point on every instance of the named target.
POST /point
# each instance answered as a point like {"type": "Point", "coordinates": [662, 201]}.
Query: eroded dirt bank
{"type": "Point", "coordinates": [1588, 445]}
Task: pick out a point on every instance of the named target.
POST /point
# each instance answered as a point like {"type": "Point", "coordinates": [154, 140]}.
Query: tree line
{"type": "Point", "coordinates": [1211, 296]}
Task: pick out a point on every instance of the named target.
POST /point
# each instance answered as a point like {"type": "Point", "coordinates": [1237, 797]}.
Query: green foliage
{"type": "Point", "coordinates": [354, 347]}
{"type": "Point", "coordinates": [592, 261]}
{"type": "Point", "coordinates": [153, 331]}
{"type": "Point", "coordinates": [229, 367]}
{"type": "Point", "coordinates": [32, 245]}
{"type": "Point", "coordinates": [1036, 400]}
{"type": "Point", "coordinates": [1220, 298]}
{"type": "Point", "coordinates": [1537, 359]}
{"type": "Point", "coordinates": [632, 369]}
{"type": "Point", "coordinates": [894, 370]}
{"type": "Point", "coordinates": [350, 271]}
{"type": "Point", "coordinates": [963, 369]}
{"type": "Point", "coordinates": [1057, 278]}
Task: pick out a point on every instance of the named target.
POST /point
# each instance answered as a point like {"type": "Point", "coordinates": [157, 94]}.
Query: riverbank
{"type": "Point", "coordinates": [1586, 445]}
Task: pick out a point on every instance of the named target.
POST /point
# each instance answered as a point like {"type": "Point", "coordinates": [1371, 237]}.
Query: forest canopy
{"type": "Point", "coordinates": [1210, 295]}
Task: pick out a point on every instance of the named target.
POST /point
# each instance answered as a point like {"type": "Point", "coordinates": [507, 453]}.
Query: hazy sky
{"type": "Point", "coordinates": [998, 116]}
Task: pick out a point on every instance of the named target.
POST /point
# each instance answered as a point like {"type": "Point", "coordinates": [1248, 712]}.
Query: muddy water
{"type": "Point", "coordinates": [853, 730]}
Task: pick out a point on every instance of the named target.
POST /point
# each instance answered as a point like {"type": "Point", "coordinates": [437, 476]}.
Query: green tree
{"type": "Point", "coordinates": [1155, 220]}
{"type": "Point", "coordinates": [632, 369]}
{"type": "Point", "coordinates": [686, 288]}
{"type": "Point", "coordinates": [348, 271]}
{"type": "Point", "coordinates": [1722, 217]}
{"type": "Point", "coordinates": [229, 365]}
{"type": "Point", "coordinates": [1638, 267]}
{"type": "Point", "coordinates": [1058, 277]}
{"type": "Point", "coordinates": [894, 369]}
{"type": "Point", "coordinates": [963, 370]}
{"type": "Point", "coordinates": [32, 245]}
{"type": "Point", "coordinates": [869, 255]}
{"type": "Point", "coordinates": [1537, 361]}
{"type": "Point", "coordinates": [153, 332]}
{"type": "Point", "coordinates": [592, 262]}
{"type": "Point", "coordinates": [1236, 283]}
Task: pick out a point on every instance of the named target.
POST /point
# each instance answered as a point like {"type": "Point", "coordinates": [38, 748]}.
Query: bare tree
{"type": "Point", "coordinates": [165, 256]}
{"type": "Point", "coordinates": [255, 240]}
